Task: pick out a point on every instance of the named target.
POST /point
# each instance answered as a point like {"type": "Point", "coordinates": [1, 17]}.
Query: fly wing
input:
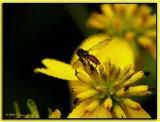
{"type": "Point", "coordinates": [100, 45]}
{"type": "Point", "coordinates": [77, 64]}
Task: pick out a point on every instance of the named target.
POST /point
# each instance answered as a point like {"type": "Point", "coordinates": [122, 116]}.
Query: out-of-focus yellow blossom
{"type": "Point", "coordinates": [102, 91]}
{"type": "Point", "coordinates": [132, 22]}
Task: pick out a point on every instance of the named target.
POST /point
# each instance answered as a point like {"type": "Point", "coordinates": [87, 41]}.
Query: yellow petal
{"type": "Point", "coordinates": [118, 111]}
{"type": "Point", "coordinates": [83, 78]}
{"type": "Point", "coordinates": [99, 112]}
{"type": "Point", "coordinates": [97, 21]}
{"type": "Point", "coordinates": [86, 94]}
{"type": "Point", "coordinates": [79, 110]}
{"type": "Point", "coordinates": [137, 76]}
{"type": "Point", "coordinates": [55, 114]}
{"type": "Point", "coordinates": [130, 103]}
{"type": "Point", "coordinates": [124, 71]}
{"type": "Point", "coordinates": [151, 33]}
{"type": "Point", "coordinates": [130, 36]}
{"type": "Point", "coordinates": [57, 69]}
{"type": "Point", "coordinates": [131, 10]}
{"type": "Point", "coordinates": [107, 10]}
{"type": "Point", "coordinates": [140, 90]}
{"type": "Point", "coordinates": [107, 65]}
{"type": "Point", "coordinates": [137, 113]}
{"type": "Point", "coordinates": [144, 10]}
{"type": "Point", "coordinates": [92, 106]}
{"type": "Point", "coordinates": [138, 23]}
{"type": "Point", "coordinates": [118, 24]}
{"type": "Point", "coordinates": [121, 92]}
{"type": "Point", "coordinates": [116, 72]}
{"type": "Point", "coordinates": [102, 72]}
{"type": "Point", "coordinates": [128, 75]}
{"type": "Point", "coordinates": [103, 113]}
{"type": "Point", "coordinates": [151, 21]}
{"type": "Point", "coordinates": [80, 88]}
{"type": "Point", "coordinates": [88, 114]}
{"type": "Point", "coordinates": [112, 72]}
{"type": "Point", "coordinates": [108, 104]}
{"type": "Point", "coordinates": [148, 44]}
{"type": "Point", "coordinates": [120, 9]}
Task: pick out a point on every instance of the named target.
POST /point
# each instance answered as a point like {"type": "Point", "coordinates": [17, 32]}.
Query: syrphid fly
{"type": "Point", "coordinates": [85, 56]}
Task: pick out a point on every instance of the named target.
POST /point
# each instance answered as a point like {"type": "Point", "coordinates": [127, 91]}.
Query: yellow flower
{"type": "Point", "coordinates": [102, 91]}
{"type": "Point", "coordinates": [105, 91]}
{"type": "Point", "coordinates": [132, 22]}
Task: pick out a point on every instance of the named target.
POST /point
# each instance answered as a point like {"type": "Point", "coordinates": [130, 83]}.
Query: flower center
{"type": "Point", "coordinates": [107, 91]}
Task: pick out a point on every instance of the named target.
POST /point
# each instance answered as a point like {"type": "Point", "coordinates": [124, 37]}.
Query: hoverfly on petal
{"type": "Point", "coordinates": [86, 57]}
